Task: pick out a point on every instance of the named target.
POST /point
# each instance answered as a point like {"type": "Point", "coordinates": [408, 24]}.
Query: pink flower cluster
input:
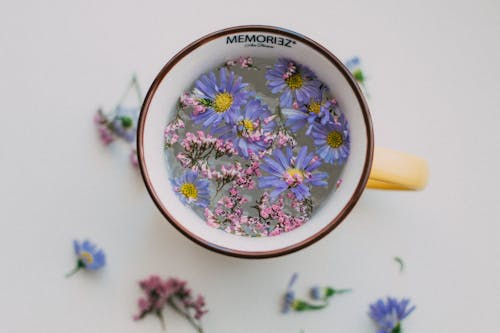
{"type": "Point", "coordinates": [172, 292]}
{"type": "Point", "coordinates": [200, 146]}
{"type": "Point", "coordinates": [243, 62]}
{"type": "Point", "coordinates": [188, 100]}
{"type": "Point", "coordinates": [102, 123]}
{"type": "Point", "coordinates": [243, 177]}
{"type": "Point", "coordinates": [108, 135]}
{"type": "Point", "coordinates": [274, 213]}
{"type": "Point", "coordinates": [273, 219]}
{"type": "Point", "coordinates": [290, 70]}
{"type": "Point", "coordinates": [172, 131]}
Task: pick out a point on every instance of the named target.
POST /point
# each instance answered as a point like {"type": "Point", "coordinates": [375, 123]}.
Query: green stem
{"type": "Point", "coordinates": [185, 315]}
{"type": "Point", "coordinates": [132, 84]}
{"type": "Point", "coordinates": [159, 314]}
{"type": "Point", "coordinates": [73, 272]}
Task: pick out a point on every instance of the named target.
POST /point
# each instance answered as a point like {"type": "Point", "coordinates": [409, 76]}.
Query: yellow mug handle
{"type": "Point", "coordinates": [393, 170]}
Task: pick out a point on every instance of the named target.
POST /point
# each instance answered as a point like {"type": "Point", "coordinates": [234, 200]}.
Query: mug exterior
{"type": "Point", "coordinates": [205, 54]}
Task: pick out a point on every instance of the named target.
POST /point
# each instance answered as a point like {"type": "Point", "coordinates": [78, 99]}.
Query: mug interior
{"type": "Point", "coordinates": [204, 55]}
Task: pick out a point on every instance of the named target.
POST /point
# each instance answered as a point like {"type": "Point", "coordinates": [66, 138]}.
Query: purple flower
{"type": "Point", "coordinates": [124, 123]}
{"type": "Point", "coordinates": [247, 129]}
{"type": "Point", "coordinates": [221, 97]}
{"type": "Point", "coordinates": [332, 140]}
{"type": "Point", "coordinates": [295, 82]}
{"type": "Point", "coordinates": [89, 257]}
{"type": "Point", "coordinates": [313, 112]}
{"type": "Point", "coordinates": [294, 173]}
{"type": "Point", "coordinates": [174, 293]}
{"type": "Point", "coordinates": [389, 314]}
{"type": "Point", "coordinates": [192, 190]}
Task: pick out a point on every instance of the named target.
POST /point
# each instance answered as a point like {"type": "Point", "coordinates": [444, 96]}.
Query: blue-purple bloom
{"type": "Point", "coordinates": [124, 122]}
{"type": "Point", "coordinates": [221, 97]}
{"type": "Point", "coordinates": [333, 140]}
{"type": "Point", "coordinates": [289, 298]}
{"type": "Point", "coordinates": [295, 82]}
{"type": "Point", "coordinates": [389, 314]}
{"type": "Point", "coordinates": [248, 127]}
{"type": "Point", "coordinates": [89, 257]}
{"type": "Point", "coordinates": [294, 173]}
{"type": "Point", "coordinates": [308, 114]}
{"type": "Point", "coordinates": [192, 190]}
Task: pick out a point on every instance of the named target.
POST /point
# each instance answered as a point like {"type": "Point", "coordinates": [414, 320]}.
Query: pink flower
{"type": "Point", "coordinates": [133, 157]}
{"type": "Point", "coordinates": [105, 134]}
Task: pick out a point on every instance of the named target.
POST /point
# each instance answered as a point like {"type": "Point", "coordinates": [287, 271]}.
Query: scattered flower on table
{"type": "Point", "coordinates": [320, 296]}
{"type": "Point", "coordinates": [121, 122]}
{"type": "Point", "coordinates": [89, 257]}
{"type": "Point", "coordinates": [354, 66]}
{"type": "Point", "coordinates": [324, 293]}
{"type": "Point", "coordinates": [174, 293]}
{"type": "Point", "coordinates": [333, 141]}
{"type": "Point", "coordinates": [293, 81]}
{"type": "Point", "coordinates": [400, 262]}
{"type": "Point", "coordinates": [388, 314]}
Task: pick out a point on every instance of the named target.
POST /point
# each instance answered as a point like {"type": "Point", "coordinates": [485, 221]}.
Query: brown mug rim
{"type": "Point", "coordinates": [338, 218]}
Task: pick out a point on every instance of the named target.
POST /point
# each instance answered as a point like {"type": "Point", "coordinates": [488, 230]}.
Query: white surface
{"type": "Point", "coordinates": [434, 80]}
{"type": "Point", "coordinates": [180, 78]}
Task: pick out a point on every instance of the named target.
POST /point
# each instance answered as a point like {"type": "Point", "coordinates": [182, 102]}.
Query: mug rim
{"type": "Point", "coordinates": [343, 212]}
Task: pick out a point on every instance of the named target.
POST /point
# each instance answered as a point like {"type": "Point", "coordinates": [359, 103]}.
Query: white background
{"type": "Point", "coordinates": [433, 77]}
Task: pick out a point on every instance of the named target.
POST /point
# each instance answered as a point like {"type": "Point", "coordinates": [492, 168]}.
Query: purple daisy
{"type": "Point", "coordinates": [333, 140]}
{"type": "Point", "coordinates": [294, 173]}
{"type": "Point", "coordinates": [247, 128]}
{"type": "Point", "coordinates": [313, 112]}
{"type": "Point", "coordinates": [295, 82]}
{"type": "Point", "coordinates": [221, 97]}
{"type": "Point", "coordinates": [388, 315]}
{"type": "Point", "coordinates": [192, 190]}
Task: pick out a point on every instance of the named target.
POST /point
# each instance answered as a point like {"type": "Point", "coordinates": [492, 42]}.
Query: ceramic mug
{"type": "Point", "coordinates": [366, 166]}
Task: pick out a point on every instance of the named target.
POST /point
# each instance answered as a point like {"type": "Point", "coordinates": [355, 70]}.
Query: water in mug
{"type": "Point", "coordinates": [256, 146]}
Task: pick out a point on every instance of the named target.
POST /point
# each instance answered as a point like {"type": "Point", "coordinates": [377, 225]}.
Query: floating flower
{"type": "Point", "coordinates": [313, 112]}
{"type": "Point", "coordinates": [89, 257]}
{"type": "Point", "coordinates": [295, 82]}
{"type": "Point", "coordinates": [294, 173]}
{"type": "Point", "coordinates": [333, 141]}
{"type": "Point", "coordinates": [192, 190]}
{"type": "Point", "coordinates": [243, 62]}
{"type": "Point", "coordinates": [125, 122]}
{"type": "Point", "coordinates": [174, 293]}
{"type": "Point", "coordinates": [247, 129]}
{"type": "Point", "coordinates": [389, 314]}
{"type": "Point", "coordinates": [221, 97]}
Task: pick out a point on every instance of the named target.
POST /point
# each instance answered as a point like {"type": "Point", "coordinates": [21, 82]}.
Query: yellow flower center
{"type": "Point", "coordinates": [294, 81]}
{"type": "Point", "coordinates": [334, 139]}
{"type": "Point", "coordinates": [295, 172]}
{"type": "Point", "coordinates": [248, 124]}
{"type": "Point", "coordinates": [87, 257]}
{"type": "Point", "coordinates": [314, 107]}
{"type": "Point", "coordinates": [189, 190]}
{"type": "Point", "coordinates": [223, 101]}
